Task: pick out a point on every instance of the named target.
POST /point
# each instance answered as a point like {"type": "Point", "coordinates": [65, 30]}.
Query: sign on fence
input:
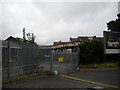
{"type": "Point", "coordinates": [60, 59]}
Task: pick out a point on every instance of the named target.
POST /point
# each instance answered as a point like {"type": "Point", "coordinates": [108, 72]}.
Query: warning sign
{"type": "Point", "coordinates": [61, 59]}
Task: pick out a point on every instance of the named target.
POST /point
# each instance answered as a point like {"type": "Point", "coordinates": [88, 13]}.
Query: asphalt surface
{"type": "Point", "coordinates": [47, 81]}
{"type": "Point", "coordinates": [110, 77]}
{"type": "Point", "coordinates": [53, 81]}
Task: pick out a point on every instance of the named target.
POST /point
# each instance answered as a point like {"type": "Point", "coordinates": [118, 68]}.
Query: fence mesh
{"type": "Point", "coordinates": [23, 58]}
{"type": "Point", "coordinates": [64, 61]}
{"type": "Point", "coordinates": [19, 59]}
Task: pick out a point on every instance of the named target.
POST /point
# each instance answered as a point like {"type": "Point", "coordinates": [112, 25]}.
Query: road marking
{"type": "Point", "coordinates": [19, 78]}
{"type": "Point", "coordinates": [92, 82]}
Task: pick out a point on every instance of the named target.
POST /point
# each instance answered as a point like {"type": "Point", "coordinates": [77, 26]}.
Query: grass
{"type": "Point", "coordinates": [106, 65]}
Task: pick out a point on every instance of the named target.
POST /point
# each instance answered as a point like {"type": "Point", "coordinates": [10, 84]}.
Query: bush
{"type": "Point", "coordinates": [91, 52]}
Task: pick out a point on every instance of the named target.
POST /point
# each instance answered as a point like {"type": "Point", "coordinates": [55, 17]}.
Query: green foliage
{"type": "Point", "coordinates": [114, 25]}
{"type": "Point", "coordinates": [91, 52]}
{"type": "Point", "coordinates": [111, 25]}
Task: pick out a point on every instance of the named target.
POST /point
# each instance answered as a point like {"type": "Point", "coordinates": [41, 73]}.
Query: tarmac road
{"type": "Point", "coordinates": [52, 81]}
{"type": "Point", "coordinates": [47, 81]}
{"type": "Point", "coordinates": [110, 77]}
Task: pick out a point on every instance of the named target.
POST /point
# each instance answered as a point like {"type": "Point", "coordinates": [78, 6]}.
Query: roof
{"type": "Point", "coordinates": [45, 47]}
{"type": "Point", "coordinates": [58, 43]}
{"type": "Point", "coordinates": [11, 38]}
{"type": "Point", "coordinates": [85, 38]}
{"type": "Point", "coordinates": [19, 40]}
{"type": "Point", "coordinates": [66, 45]}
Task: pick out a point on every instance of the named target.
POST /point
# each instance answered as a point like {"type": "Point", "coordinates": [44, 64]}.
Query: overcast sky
{"type": "Point", "coordinates": [55, 21]}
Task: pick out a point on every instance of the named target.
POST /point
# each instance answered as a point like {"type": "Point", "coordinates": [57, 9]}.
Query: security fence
{"type": "Point", "coordinates": [64, 61]}
{"type": "Point", "coordinates": [24, 58]}
{"type": "Point", "coordinates": [21, 58]}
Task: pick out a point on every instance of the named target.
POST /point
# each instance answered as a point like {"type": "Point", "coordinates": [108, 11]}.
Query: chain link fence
{"type": "Point", "coordinates": [19, 59]}
{"type": "Point", "coordinates": [23, 58]}
{"type": "Point", "coordinates": [64, 61]}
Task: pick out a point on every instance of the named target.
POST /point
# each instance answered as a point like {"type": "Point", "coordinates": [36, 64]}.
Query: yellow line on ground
{"type": "Point", "coordinates": [88, 81]}
{"type": "Point", "coordinates": [18, 78]}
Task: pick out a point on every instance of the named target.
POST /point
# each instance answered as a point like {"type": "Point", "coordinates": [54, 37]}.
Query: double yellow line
{"type": "Point", "coordinates": [91, 82]}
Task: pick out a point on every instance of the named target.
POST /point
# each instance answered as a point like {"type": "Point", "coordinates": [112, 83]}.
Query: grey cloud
{"type": "Point", "coordinates": [51, 21]}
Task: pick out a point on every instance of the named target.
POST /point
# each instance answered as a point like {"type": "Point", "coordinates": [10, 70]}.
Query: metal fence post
{"type": "Point", "coordinates": [78, 58]}
{"type": "Point", "coordinates": [51, 58]}
{"type": "Point", "coordinates": [8, 57]}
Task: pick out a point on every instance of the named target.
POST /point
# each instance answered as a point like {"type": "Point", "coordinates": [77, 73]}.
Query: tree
{"type": "Point", "coordinates": [91, 52]}
{"type": "Point", "coordinates": [111, 25]}
{"type": "Point", "coordinates": [114, 25]}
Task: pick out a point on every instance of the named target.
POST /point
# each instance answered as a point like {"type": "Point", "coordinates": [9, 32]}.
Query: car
{"type": "Point", "coordinates": [113, 43]}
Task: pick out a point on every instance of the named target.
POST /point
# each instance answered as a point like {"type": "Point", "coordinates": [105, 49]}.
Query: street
{"type": "Point", "coordinates": [53, 81]}
{"type": "Point", "coordinates": [103, 76]}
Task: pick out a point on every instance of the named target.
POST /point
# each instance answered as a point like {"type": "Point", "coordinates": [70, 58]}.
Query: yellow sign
{"type": "Point", "coordinates": [61, 59]}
